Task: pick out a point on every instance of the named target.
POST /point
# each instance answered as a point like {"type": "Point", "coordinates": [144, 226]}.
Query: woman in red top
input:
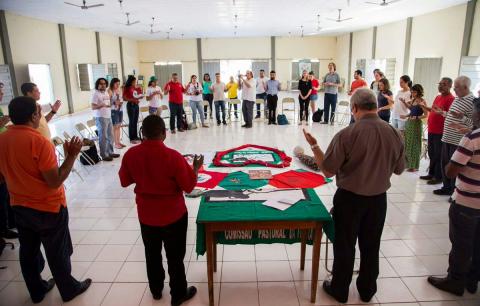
{"type": "Point", "coordinates": [314, 94]}
{"type": "Point", "coordinates": [130, 95]}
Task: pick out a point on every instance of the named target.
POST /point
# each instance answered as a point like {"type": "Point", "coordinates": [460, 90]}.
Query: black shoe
{"type": "Point", "coordinates": [426, 177]}
{"type": "Point", "coordinates": [218, 123]}
{"type": "Point", "coordinates": [442, 191]}
{"type": "Point", "coordinates": [327, 287]}
{"type": "Point", "coordinates": [50, 285]}
{"type": "Point", "coordinates": [269, 123]}
{"type": "Point", "coordinates": [445, 284]}
{"type": "Point", "coordinates": [9, 234]}
{"type": "Point", "coordinates": [244, 126]}
{"type": "Point", "coordinates": [224, 123]}
{"type": "Point", "coordinates": [115, 155]}
{"type": "Point", "coordinates": [191, 291]}
{"type": "Point", "coordinates": [109, 158]}
{"type": "Point", "coordinates": [323, 122]}
{"type": "Point", "coordinates": [471, 286]}
{"type": "Point", "coordinates": [81, 289]}
{"type": "Point", "coordinates": [257, 116]}
{"type": "Point", "coordinates": [248, 126]}
{"type": "Point", "coordinates": [434, 182]}
{"type": "Point", "coordinates": [157, 296]}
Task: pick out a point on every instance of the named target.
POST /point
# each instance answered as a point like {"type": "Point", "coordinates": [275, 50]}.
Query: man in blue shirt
{"type": "Point", "coordinates": [272, 87]}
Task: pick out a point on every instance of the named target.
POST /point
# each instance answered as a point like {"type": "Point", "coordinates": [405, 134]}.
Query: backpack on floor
{"type": "Point", "coordinates": [92, 153]}
{"type": "Point", "coordinates": [317, 116]}
{"type": "Point", "coordinates": [184, 123]}
{"type": "Point", "coordinates": [282, 119]}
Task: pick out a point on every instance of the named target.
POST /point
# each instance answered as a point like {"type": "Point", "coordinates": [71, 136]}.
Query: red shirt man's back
{"type": "Point", "coordinates": [160, 175]}
{"type": "Point", "coordinates": [175, 94]}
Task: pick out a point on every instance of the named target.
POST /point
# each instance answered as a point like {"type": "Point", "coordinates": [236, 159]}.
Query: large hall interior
{"type": "Point", "coordinates": [239, 152]}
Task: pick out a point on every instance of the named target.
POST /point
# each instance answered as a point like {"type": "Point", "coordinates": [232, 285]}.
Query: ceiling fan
{"type": "Point", "coordinates": [85, 6]}
{"type": "Point", "coordinates": [383, 3]}
{"type": "Point", "coordinates": [128, 20]}
{"type": "Point", "coordinates": [339, 19]}
{"type": "Point", "coordinates": [151, 27]}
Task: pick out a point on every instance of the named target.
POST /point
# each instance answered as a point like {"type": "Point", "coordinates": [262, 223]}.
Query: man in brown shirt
{"type": "Point", "coordinates": [363, 157]}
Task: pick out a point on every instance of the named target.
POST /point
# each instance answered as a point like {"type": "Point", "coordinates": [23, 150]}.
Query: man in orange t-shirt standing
{"type": "Point", "coordinates": [359, 82]}
{"type": "Point", "coordinates": [28, 165]}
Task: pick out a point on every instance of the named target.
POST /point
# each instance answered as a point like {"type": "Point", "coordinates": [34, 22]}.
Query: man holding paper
{"type": "Point", "coordinates": [363, 157]}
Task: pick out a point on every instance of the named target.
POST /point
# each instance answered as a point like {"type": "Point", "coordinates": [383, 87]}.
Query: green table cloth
{"type": "Point", "coordinates": [305, 210]}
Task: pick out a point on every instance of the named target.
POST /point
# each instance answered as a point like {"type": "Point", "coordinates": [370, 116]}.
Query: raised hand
{"type": "Point", "coordinates": [4, 120]}
{"type": "Point", "coordinates": [56, 106]}
{"type": "Point", "coordinates": [197, 162]}
{"type": "Point", "coordinates": [72, 147]}
{"type": "Point", "coordinates": [310, 139]}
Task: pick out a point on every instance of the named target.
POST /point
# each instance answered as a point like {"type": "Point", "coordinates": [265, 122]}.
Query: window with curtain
{"type": "Point", "coordinates": [164, 72]}
{"type": "Point", "coordinates": [259, 65]}
{"type": "Point", "coordinates": [427, 72]}
{"type": "Point", "coordinates": [210, 67]}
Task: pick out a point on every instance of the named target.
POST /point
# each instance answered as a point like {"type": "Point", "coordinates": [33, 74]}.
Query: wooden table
{"type": "Point", "coordinates": [211, 228]}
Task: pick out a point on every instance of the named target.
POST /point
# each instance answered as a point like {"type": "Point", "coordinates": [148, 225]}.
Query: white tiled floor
{"type": "Point", "coordinates": [108, 246]}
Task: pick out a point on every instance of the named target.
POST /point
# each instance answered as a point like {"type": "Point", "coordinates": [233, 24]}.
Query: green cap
{"type": "Point", "coordinates": [153, 78]}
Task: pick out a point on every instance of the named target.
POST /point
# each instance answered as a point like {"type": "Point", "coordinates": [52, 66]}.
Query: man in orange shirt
{"type": "Point", "coordinates": [29, 166]}
{"type": "Point", "coordinates": [359, 82]}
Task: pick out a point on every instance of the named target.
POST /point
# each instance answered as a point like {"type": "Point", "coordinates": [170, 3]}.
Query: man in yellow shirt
{"type": "Point", "coordinates": [31, 90]}
{"type": "Point", "coordinates": [232, 88]}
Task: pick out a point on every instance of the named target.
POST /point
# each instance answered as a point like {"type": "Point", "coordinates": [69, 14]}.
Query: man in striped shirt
{"type": "Point", "coordinates": [464, 215]}
{"type": "Point", "coordinates": [459, 115]}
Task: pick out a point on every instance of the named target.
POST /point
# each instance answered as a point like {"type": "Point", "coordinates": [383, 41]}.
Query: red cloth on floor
{"type": "Point", "coordinates": [297, 179]}
{"type": "Point", "coordinates": [210, 179]}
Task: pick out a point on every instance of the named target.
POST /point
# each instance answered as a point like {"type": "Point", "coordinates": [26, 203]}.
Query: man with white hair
{"type": "Point", "coordinates": [368, 151]}
{"type": "Point", "coordinates": [464, 216]}
{"type": "Point", "coordinates": [459, 115]}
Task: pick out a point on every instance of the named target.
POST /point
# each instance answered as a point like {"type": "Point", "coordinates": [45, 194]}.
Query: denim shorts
{"type": "Point", "coordinates": [152, 110]}
{"type": "Point", "coordinates": [117, 117]}
{"type": "Point", "coordinates": [313, 97]}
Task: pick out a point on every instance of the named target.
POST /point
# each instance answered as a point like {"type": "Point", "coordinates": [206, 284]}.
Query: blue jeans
{"type": "Point", "coordinates": [196, 106]}
{"type": "Point", "coordinates": [330, 100]}
{"type": "Point", "coordinates": [105, 136]}
{"type": "Point", "coordinates": [220, 105]}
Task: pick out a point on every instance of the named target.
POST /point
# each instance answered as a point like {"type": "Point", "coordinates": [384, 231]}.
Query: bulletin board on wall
{"type": "Point", "coordinates": [6, 79]}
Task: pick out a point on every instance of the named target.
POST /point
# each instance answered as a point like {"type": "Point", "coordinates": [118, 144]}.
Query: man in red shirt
{"type": "Point", "coordinates": [174, 89]}
{"type": "Point", "coordinates": [359, 82]}
{"type": "Point", "coordinates": [436, 120]}
{"type": "Point", "coordinates": [161, 206]}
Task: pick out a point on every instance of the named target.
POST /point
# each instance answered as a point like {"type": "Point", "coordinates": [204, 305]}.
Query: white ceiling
{"type": "Point", "coordinates": [216, 18]}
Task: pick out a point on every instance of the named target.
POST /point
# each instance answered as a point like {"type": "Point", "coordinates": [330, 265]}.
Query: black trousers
{"type": "Point", "coordinates": [446, 155]}
{"type": "Point", "coordinates": [329, 102]}
{"type": "Point", "coordinates": [304, 106]}
{"type": "Point", "coordinates": [435, 155]}
{"type": "Point", "coordinates": [174, 238]}
{"type": "Point", "coordinates": [7, 218]}
{"type": "Point", "coordinates": [51, 230]}
{"type": "Point", "coordinates": [176, 112]}
{"type": "Point", "coordinates": [262, 96]}
{"type": "Point", "coordinates": [355, 217]}
{"type": "Point", "coordinates": [209, 98]}
{"type": "Point", "coordinates": [464, 232]}
{"type": "Point", "coordinates": [272, 108]}
{"type": "Point", "coordinates": [133, 112]}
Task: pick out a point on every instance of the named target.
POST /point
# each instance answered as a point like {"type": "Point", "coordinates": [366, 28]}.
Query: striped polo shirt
{"type": "Point", "coordinates": [467, 191]}
{"type": "Point", "coordinates": [464, 106]}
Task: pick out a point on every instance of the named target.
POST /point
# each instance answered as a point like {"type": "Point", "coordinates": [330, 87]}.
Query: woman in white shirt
{"type": "Point", "coordinates": [400, 110]}
{"type": "Point", "coordinates": [154, 97]}
{"type": "Point", "coordinates": [194, 92]}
